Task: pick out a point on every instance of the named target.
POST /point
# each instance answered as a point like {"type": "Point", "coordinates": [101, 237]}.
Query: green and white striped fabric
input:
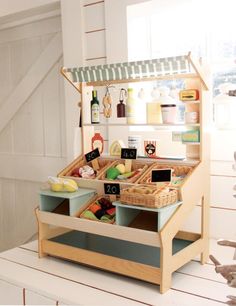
{"type": "Point", "coordinates": [131, 70]}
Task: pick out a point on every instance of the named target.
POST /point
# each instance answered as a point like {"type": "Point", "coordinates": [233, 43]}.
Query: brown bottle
{"type": "Point", "coordinates": [121, 106]}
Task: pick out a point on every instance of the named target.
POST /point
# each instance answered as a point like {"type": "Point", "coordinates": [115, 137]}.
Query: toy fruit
{"type": "Point", "coordinates": [121, 168]}
{"type": "Point", "coordinates": [112, 173]}
{"type": "Point", "coordinates": [70, 185]}
{"type": "Point", "coordinates": [125, 175]}
{"type": "Point", "coordinates": [56, 184]}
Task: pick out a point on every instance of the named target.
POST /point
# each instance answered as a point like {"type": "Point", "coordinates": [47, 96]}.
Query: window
{"type": "Point", "coordinates": [161, 28]}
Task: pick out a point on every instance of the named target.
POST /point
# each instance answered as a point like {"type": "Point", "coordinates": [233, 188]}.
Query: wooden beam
{"type": "Point", "coordinates": [105, 262]}
{"type": "Point", "coordinates": [31, 80]}
{"type": "Point", "coordinates": [100, 228]}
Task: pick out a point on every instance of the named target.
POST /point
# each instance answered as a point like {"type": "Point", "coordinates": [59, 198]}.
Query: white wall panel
{"type": "Point", "coordinates": [224, 168]}
{"type": "Point", "coordinates": [223, 145]}
{"type": "Point", "coordinates": [51, 112]}
{"type": "Point", "coordinates": [93, 2]}
{"type": "Point", "coordinates": [20, 130]}
{"type": "Point", "coordinates": [95, 45]}
{"type": "Point", "coordinates": [6, 140]}
{"type": "Point", "coordinates": [17, 218]}
{"type": "Point", "coordinates": [36, 123]}
{"type": "Point", "coordinates": [222, 192]}
{"type": "Point", "coordinates": [26, 199]}
{"type": "Point", "coordinates": [62, 111]}
{"type": "Point", "coordinates": [17, 60]}
{"type": "Point", "coordinates": [222, 223]}
{"type": "Point", "coordinates": [11, 7]}
{"type": "Point", "coordinates": [24, 136]}
{"type": "Point", "coordinates": [7, 214]}
{"type": "Point", "coordinates": [100, 61]}
{"type": "Point", "coordinates": [5, 79]}
{"type": "Point", "coordinates": [94, 18]}
{"type": "Point", "coordinates": [37, 28]}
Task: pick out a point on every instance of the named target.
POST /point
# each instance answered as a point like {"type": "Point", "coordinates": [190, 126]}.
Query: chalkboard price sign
{"type": "Point", "coordinates": [112, 188]}
{"type": "Point", "coordinates": [92, 155]}
{"type": "Point", "coordinates": [161, 175]}
{"type": "Point", "coordinates": [128, 153]}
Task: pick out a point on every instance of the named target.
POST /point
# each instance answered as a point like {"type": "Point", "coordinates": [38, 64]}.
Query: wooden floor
{"type": "Point", "coordinates": [71, 283]}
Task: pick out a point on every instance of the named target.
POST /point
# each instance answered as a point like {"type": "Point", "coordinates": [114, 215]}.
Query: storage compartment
{"type": "Point", "coordinates": [136, 252]}
{"type": "Point", "coordinates": [99, 209]}
{"type": "Point", "coordinates": [138, 168]}
{"type": "Point", "coordinates": [72, 170]}
{"type": "Point", "coordinates": [179, 174]}
{"type": "Point", "coordinates": [145, 218]}
{"type": "Point", "coordinates": [65, 203]}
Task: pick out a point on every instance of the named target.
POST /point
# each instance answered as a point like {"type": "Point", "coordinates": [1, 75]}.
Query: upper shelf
{"type": "Point", "coordinates": [178, 67]}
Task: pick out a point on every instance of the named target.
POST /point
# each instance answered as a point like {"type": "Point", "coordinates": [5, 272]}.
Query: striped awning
{"type": "Point", "coordinates": [131, 70]}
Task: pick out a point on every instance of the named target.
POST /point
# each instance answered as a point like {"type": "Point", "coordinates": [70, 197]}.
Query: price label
{"type": "Point", "coordinates": [92, 155]}
{"type": "Point", "coordinates": [128, 153]}
{"type": "Point", "coordinates": [161, 175]}
{"type": "Point", "coordinates": [112, 188]}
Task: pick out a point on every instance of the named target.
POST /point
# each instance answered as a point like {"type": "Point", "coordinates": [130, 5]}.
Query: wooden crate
{"type": "Point", "coordinates": [135, 166]}
{"type": "Point", "coordinates": [178, 170]}
{"type": "Point", "coordinates": [88, 205]}
{"type": "Point", "coordinates": [80, 161]}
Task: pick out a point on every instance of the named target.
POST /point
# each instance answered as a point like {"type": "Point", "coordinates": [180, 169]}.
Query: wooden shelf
{"type": "Point", "coordinates": [144, 124]}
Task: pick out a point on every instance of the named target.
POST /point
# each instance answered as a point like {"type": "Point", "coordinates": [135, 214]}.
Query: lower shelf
{"type": "Point", "coordinates": [135, 252]}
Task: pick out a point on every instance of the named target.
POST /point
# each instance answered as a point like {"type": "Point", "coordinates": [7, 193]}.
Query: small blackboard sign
{"type": "Point", "coordinates": [111, 188]}
{"type": "Point", "coordinates": [92, 155]}
{"type": "Point", "coordinates": [127, 153]}
{"type": "Point", "coordinates": [161, 175]}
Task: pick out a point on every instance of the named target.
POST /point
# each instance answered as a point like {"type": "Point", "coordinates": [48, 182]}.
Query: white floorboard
{"type": "Point", "coordinates": [193, 284]}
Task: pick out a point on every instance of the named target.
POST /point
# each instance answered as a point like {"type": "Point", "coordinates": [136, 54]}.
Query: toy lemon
{"type": "Point", "coordinates": [56, 184]}
{"type": "Point", "coordinates": [70, 185]}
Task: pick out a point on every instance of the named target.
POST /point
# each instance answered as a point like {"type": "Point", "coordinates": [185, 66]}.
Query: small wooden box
{"type": "Point", "coordinates": [135, 166]}
{"type": "Point", "coordinates": [80, 161]}
{"type": "Point", "coordinates": [179, 174]}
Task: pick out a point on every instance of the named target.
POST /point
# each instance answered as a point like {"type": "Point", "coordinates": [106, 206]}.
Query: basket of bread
{"type": "Point", "coordinates": [178, 176]}
{"type": "Point", "coordinates": [149, 196]}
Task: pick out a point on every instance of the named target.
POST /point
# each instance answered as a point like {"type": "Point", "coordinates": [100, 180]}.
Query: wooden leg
{"type": "Point", "coordinates": [165, 281]}
{"type": "Point", "coordinates": [165, 265]}
{"type": "Point", "coordinates": [43, 230]}
{"type": "Point", "coordinates": [205, 230]}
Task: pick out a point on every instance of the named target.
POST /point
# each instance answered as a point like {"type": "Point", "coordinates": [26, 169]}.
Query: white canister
{"type": "Point", "coordinates": [168, 112]}
{"type": "Point", "coordinates": [134, 142]}
{"type": "Point", "coordinates": [191, 117]}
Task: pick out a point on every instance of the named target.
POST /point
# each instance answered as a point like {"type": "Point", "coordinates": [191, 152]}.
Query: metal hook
{"type": "Point", "coordinates": [123, 94]}
{"type": "Point", "coordinates": [107, 89]}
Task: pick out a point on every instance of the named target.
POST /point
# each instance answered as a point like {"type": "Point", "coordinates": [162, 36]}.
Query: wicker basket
{"type": "Point", "coordinates": [135, 166]}
{"type": "Point", "coordinates": [87, 207]}
{"type": "Point", "coordinates": [149, 196]}
{"type": "Point", "coordinates": [179, 174]}
{"type": "Point", "coordinates": [80, 161]}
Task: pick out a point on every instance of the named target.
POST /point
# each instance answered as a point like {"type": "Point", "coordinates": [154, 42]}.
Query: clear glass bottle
{"type": "Point", "coordinates": [95, 115]}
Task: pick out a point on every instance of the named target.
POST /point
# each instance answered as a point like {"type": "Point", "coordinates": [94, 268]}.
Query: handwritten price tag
{"type": "Point", "coordinates": [112, 188]}
{"type": "Point", "coordinates": [92, 155]}
{"type": "Point", "coordinates": [128, 153]}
